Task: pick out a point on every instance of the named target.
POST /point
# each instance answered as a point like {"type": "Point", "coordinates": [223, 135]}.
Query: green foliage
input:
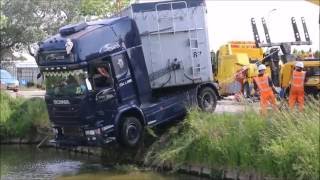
{"type": "Point", "coordinates": [285, 145]}
{"type": "Point", "coordinates": [30, 21]}
{"type": "Point", "coordinates": [20, 116]}
{"type": "Point", "coordinates": [101, 8]}
{"type": "Point", "coordinates": [317, 54]}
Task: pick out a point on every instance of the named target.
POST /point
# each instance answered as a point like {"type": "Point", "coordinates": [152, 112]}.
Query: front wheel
{"type": "Point", "coordinates": [131, 132]}
{"type": "Point", "coordinates": [207, 99]}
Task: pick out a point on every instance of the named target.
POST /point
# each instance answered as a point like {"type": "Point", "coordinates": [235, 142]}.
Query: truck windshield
{"type": "Point", "coordinates": [66, 83]}
{"type": "Point", "coordinates": [55, 56]}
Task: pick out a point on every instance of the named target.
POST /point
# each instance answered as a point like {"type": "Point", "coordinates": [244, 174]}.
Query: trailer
{"type": "Point", "coordinates": [174, 40]}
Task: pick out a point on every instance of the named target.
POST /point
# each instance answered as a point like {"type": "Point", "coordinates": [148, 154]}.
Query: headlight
{"type": "Point", "coordinates": [90, 132]}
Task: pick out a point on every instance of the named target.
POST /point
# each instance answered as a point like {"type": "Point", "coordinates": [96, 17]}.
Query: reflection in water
{"type": "Point", "coordinates": [27, 162]}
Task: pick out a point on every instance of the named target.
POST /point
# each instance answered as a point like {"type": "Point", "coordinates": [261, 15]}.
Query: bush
{"type": "Point", "coordinates": [285, 145]}
{"type": "Point", "coordinates": [21, 116]}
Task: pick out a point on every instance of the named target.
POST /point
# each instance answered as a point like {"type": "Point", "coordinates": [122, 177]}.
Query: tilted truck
{"type": "Point", "coordinates": [109, 79]}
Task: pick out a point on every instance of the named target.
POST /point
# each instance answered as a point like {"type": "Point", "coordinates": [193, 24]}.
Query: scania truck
{"type": "Point", "coordinates": [109, 79]}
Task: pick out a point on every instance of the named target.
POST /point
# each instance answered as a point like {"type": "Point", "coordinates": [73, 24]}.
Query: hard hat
{"type": "Point", "coordinates": [299, 64]}
{"type": "Point", "coordinates": [262, 67]}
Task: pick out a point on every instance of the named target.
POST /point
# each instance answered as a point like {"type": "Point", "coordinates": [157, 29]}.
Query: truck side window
{"type": "Point", "coordinates": [102, 76]}
{"type": "Point", "coordinates": [120, 65]}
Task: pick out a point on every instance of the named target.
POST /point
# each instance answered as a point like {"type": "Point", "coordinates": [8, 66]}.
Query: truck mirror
{"type": "Point", "coordinates": [33, 49]}
{"type": "Point", "coordinates": [39, 75]}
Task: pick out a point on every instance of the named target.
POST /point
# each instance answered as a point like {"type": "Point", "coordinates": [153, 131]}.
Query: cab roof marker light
{"type": "Point", "coordinates": [64, 67]}
{"type": "Point", "coordinates": [72, 28]}
{"type": "Point", "coordinates": [58, 68]}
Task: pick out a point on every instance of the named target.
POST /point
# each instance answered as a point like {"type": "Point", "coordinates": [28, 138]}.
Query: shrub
{"type": "Point", "coordinates": [284, 145]}
{"type": "Point", "coordinates": [19, 116]}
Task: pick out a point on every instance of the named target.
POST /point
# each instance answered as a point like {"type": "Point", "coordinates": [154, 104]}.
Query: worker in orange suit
{"type": "Point", "coordinates": [264, 86]}
{"type": "Point", "coordinates": [297, 87]}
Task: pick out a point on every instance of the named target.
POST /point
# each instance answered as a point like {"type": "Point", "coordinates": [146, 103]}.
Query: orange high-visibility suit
{"type": "Point", "coordinates": [297, 89]}
{"type": "Point", "coordinates": [266, 93]}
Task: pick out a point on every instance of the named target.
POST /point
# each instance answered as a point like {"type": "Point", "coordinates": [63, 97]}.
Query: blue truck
{"type": "Point", "coordinates": [109, 79]}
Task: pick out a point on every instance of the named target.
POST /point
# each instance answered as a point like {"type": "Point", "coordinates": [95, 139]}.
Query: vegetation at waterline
{"type": "Point", "coordinates": [283, 145]}
{"type": "Point", "coordinates": [20, 117]}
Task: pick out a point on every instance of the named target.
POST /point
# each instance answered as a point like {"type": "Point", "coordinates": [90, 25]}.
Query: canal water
{"type": "Point", "coordinates": [27, 162]}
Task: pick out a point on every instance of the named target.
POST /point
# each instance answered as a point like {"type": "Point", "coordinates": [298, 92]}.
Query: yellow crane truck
{"type": "Point", "coordinates": [312, 68]}
{"type": "Point", "coordinates": [283, 66]}
{"type": "Point", "coordinates": [233, 58]}
{"type": "Point", "coordinates": [236, 62]}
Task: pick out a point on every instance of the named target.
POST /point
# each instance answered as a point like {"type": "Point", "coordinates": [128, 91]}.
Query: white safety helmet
{"type": "Point", "coordinates": [262, 67]}
{"type": "Point", "coordinates": [299, 64]}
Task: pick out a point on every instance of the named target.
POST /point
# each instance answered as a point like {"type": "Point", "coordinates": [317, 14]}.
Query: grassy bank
{"type": "Point", "coordinates": [20, 117]}
{"type": "Point", "coordinates": [283, 145]}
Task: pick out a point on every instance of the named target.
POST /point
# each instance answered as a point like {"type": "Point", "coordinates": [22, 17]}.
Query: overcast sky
{"type": "Point", "coordinates": [230, 20]}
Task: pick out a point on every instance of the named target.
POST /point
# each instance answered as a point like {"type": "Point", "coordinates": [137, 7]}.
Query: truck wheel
{"type": "Point", "coordinates": [207, 99]}
{"type": "Point", "coordinates": [131, 132]}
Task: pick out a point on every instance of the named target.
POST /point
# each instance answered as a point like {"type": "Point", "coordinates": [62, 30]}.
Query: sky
{"type": "Point", "coordinates": [230, 20]}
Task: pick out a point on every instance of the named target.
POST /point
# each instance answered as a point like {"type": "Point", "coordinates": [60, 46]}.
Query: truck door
{"type": "Point", "coordinates": [123, 79]}
{"type": "Point", "coordinates": [105, 94]}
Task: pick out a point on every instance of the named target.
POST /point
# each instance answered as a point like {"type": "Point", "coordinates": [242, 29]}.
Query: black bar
{"type": "Point", "coordinates": [305, 29]}
{"type": "Point", "coordinates": [255, 32]}
{"type": "Point", "coordinates": [265, 29]}
{"type": "Point", "coordinates": [295, 29]}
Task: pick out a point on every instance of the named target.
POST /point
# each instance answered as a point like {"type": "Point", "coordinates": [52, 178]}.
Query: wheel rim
{"type": "Point", "coordinates": [207, 101]}
{"type": "Point", "coordinates": [132, 133]}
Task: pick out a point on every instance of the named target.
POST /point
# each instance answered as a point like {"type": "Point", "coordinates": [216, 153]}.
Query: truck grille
{"type": "Point", "coordinates": [65, 115]}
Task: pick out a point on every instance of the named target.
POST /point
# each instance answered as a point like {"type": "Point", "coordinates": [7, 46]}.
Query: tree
{"type": "Point", "coordinates": [317, 54]}
{"type": "Point", "coordinates": [102, 8]}
{"type": "Point", "coordinates": [29, 21]}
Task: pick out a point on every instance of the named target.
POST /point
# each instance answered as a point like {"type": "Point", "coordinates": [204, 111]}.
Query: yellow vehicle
{"type": "Point", "coordinates": [236, 62]}
{"type": "Point", "coordinates": [312, 68]}
{"type": "Point", "coordinates": [236, 58]}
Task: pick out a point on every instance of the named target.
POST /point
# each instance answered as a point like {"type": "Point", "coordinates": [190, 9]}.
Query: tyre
{"type": "Point", "coordinates": [207, 99]}
{"type": "Point", "coordinates": [131, 134]}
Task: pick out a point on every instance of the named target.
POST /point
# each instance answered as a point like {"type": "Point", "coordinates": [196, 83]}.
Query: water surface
{"type": "Point", "coordinates": [27, 162]}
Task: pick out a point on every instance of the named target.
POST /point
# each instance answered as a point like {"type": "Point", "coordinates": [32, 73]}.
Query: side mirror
{"type": "Point", "coordinates": [33, 49]}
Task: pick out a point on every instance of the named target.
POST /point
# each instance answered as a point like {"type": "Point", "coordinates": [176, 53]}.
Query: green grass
{"type": "Point", "coordinates": [284, 144]}
{"type": "Point", "coordinates": [19, 117]}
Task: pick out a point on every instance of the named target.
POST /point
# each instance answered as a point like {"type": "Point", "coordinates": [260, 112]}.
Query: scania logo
{"type": "Point", "coordinates": [61, 102]}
